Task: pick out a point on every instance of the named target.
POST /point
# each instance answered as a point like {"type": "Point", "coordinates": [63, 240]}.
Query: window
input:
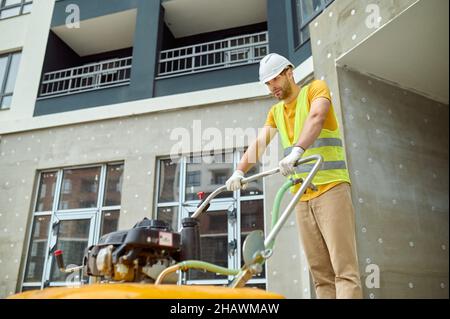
{"type": "Point", "coordinates": [230, 218]}
{"type": "Point", "coordinates": [220, 177]}
{"type": "Point", "coordinates": [193, 178]}
{"type": "Point", "coordinates": [110, 222]}
{"type": "Point", "coordinates": [216, 169]}
{"type": "Point", "coordinates": [304, 12]}
{"type": "Point", "coordinates": [252, 218]}
{"type": "Point", "coordinates": [169, 215]}
{"type": "Point", "coordinates": [92, 196]}
{"type": "Point", "coordinates": [168, 181]}
{"type": "Point", "coordinates": [46, 192]}
{"type": "Point", "coordinates": [83, 187]}
{"type": "Point", "coordinates": [36, 257]}
{"type": "Point", "coordinates": [12, 8]}
{"type": "Point", "coordinates": [9, 65]}
{"type": "Point", "coordinates": [114, 178]}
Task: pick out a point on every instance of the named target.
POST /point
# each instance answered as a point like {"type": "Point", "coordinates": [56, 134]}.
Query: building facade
{"type": "Point", "coordinates": [97, 96]}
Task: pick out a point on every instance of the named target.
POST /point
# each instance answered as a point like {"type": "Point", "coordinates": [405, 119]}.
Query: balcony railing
{"type": "Point", "coordinates": [88, 77]}
{"type": "Point", "coordinates": [213, 55]}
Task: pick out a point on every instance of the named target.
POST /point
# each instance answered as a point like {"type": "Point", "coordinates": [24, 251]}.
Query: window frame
{"type": "Point", "coordinates": [235, 200]}
{"type": "Point", "coordinates": [3, 93]}
{"type": "Point", "coordinates": [305, 24]}
{"type": "Point", "coordinates": [22, 4]}
{"type": "Point", "coordinates": [55, 212]}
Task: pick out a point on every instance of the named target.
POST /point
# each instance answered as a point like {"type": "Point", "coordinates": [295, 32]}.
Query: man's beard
{"type": "Point", "coordinates": [285, 92]}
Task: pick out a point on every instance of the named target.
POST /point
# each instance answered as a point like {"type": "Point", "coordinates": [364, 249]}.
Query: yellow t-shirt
{"type": "Point", "coordinates": [317, 88]}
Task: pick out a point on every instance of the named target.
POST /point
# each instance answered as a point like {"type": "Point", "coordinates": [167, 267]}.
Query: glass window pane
{"type": "Point", "coordinates": [14, 67]}
{"type": "Point", "coordinates": [114, 178]}
{"type": "Point", "coordinates": [214, 172]}
{"type": "Point", "coordinates": [11, 2]}
{"type": "Point", "coordinates": [169, 181]}
{"type": "Point", "coordinates": [252, 218]}
{"type": "Point", "coordinates": [169, 215]}
{"type": "Point", "coordinates": [193, 178]}
{"type": "Point", "coordinates": [3, 62]}
{"type": "Point", "coordinates": [306, 11]}
{"type": "Point", "coordinates": [79, 188]}
{"type": "Point", "coordinates": [46, 192]}
{"type": "Point", "coordinates": [304, 35]}
{"type": "Point", "coordinates": [27, 8]}
{"type": "Point", "coordinates": [73, 236]}
{"type": "Point", "coordinates": [309, 8]}
{"type": "Point", "coordinates": [9, 12]}
{"type": "Point", "coordinates": [214, 243]}
{"type": "Point", "coordinates": [38, 248]}
{"type": "Point", "coordinates": [6, 102]}
{"type": "Point", "coordinates": [255, 187]}
{"type": "Point", "coordinates": [110, 222]}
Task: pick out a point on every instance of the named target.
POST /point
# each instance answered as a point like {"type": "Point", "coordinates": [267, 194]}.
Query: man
{"type": "Point", "coordinates": [307, 124]}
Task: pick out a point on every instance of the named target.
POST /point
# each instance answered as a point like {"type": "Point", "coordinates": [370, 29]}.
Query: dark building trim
{"type": "Point", "coordinates": [91, 9]}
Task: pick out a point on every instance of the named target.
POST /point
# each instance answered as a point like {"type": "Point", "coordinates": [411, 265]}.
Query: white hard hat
{"type": "Point", "coordinates": [272, 65]}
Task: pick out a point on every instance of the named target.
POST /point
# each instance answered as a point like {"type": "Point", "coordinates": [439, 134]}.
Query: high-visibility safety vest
{"type": "Point", "coordinates": [328, 144]}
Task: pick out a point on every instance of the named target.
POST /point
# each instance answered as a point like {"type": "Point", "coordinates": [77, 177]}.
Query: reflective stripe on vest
{"type": "Point", "coordinates": [306, 168]}
{"type": "Point", "coordinates": [321, 142]}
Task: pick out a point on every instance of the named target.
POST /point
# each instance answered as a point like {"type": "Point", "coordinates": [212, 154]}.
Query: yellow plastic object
{"type": "Point", "coordinates": [147, 291]}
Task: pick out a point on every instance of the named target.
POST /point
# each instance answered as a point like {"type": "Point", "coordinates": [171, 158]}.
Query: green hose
{"type": "Point", "coordinates": [202, 265]}
{"type": "Point", "coordinates": [277, 203]}
{"type": "Point", "coordinates": [196, 264]}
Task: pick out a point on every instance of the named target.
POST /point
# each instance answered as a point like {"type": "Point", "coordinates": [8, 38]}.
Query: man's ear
{"type": "Point", "coordinates": [290, 74]}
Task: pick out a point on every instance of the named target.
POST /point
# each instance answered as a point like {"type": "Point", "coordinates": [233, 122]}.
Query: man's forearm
{"type": "Point", "coordinates": [251, 156]}
{"type": "Point", "coordinates": [256, 149]}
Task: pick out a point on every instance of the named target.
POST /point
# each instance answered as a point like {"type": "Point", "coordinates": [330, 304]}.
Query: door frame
{"type": "Point", "coordinates": [232, 233]}
{"type": "Point", "coordinates": [53, 239]}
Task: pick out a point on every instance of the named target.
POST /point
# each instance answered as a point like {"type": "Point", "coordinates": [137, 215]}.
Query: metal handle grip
{"type": "Point", "coordinates": [290, 207]}
{"type": "Point", "coordinates": [249, 179]}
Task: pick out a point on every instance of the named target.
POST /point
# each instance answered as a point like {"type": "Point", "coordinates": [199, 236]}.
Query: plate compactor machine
{"type": "Point", "coordinates": [150, 260]}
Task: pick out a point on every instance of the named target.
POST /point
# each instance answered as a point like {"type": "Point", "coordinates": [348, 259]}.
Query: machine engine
{"type": "Point", "coordinates": [135, 255]}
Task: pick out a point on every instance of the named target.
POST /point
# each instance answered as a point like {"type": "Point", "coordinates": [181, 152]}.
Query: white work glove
{"type": "Point", "coordinates": [234, 182]}
{"type": "Point", "coordinates": [287, 164]}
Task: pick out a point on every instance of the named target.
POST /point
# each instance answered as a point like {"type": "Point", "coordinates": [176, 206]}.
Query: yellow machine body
{"type": "Point", "coordinates": [146, 291]}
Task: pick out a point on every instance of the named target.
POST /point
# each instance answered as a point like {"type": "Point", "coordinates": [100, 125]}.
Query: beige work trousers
{"type": "Point", "coordinates": [327, 232]}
